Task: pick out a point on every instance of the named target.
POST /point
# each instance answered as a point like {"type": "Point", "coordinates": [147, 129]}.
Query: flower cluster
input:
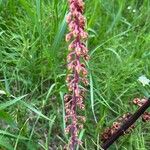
{"type": "Point", "coordinates": [139, 103]}
{"type": "Point", "coordinates": [116, 125]}
{"type": "Point", "coordinates": [77, 73]}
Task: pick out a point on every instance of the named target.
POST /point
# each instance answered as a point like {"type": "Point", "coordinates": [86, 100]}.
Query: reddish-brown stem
{"type": "Point", "coordinates": [126, 125]}
{"type": "Point", "coordinates": [73, 132]}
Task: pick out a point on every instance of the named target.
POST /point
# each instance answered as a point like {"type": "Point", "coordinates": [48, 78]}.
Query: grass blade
{"type": "Point", "coordinates": [35, 111]}
{"type": "Point", "coordinates": [12, 135]}
{"type": "Point", "coordinates": [92, 96]}
{"type": "Point", "coordinates": [11, 102]}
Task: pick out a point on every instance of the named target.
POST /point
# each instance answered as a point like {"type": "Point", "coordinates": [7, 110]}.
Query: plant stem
{"type": "Point", "coordinates": [126, 125]}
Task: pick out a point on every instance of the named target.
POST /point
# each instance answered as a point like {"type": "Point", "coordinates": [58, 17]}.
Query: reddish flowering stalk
{"type": "Point", "coordinates": [108, 132]}
{"type": "Point", "coordinates": [140, 102]}
{"type": "Point", "coordinates": [77, 71]}
{"type": "Point", "coordinates": [125, 124]}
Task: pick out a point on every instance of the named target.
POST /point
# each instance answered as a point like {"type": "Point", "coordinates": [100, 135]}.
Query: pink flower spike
{"type": "Point", "coordinates": [77, 71]}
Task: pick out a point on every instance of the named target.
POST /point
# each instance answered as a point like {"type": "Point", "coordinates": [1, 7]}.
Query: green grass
{"type": "Point", "coordinates": [33, 69]}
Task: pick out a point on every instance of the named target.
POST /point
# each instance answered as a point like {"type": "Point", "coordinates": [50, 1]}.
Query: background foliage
{"type": "Point", "coordinates": [33, 69]}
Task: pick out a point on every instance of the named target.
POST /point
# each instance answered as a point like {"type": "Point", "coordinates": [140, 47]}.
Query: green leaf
{"type": "Point", "coordinates": [59, 36]}
{"type": "Point", "coordinates": [35, 111]}
{"type": "Point", "coordinates": [7, 118]}
{"type": "Point", "coordinates": [27, 8]}
{"type": "Point", "coordinates": [2, 132]}
{"type": "Point", "coordinates": [92, 96]}
{"type": "Point", "coordinates": [49, 91]}
{"type": "Point", "coordinates": [4, 143]}
{"type": "Point", "coordinates": [11, 102]}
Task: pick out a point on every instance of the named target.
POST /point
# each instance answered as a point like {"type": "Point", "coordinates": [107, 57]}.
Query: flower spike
{"type": "Point", "coordinates": [77, 75]}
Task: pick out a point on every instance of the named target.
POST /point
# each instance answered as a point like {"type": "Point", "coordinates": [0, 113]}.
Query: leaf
{"type": "Point", "coordinates": [27, 8]}
{"type": "Point", "coordinates": [2, 132]}
{"type": "Point", "coordinates": [7, 118]}
{"type": "Point", "coordinates": [4, 142]}
{"type": "Point", "coordinates": [50, 90]}
{"type": "Point", "coordinates": [38, 16]}
{"type": "Point", "coordinates": [80, 137]}
{"type": "Point", "coordinates": [2, 33]}
{"type": "Point", "coordinates": [35, 111]}
{"type": "Point", "coordinates": [63, 106]}
{"type": "Point", "coordinates": [11, 102]}
{"type": "Point", "coordinates": [92, 96]}
{"type": "Point", "coordinates": [114, 52]}
{"type": "Point", "coordinates": [59, 35]}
